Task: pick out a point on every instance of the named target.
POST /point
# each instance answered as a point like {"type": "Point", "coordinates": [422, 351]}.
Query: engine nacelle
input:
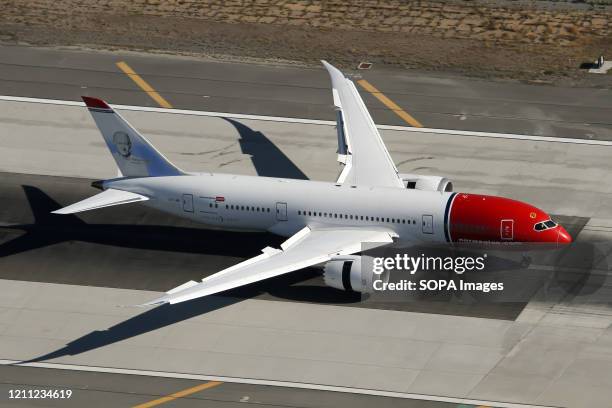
{"type": "Point", "coordinates": [428, 183]}
{"type": "Point", "coordinates": [352, 273]}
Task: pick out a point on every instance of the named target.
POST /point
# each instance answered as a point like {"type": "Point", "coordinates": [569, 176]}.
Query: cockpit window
{"type": "Point", "coordinates": [550, 224]}
{"type": "Point", "coordinates": [544, 225]}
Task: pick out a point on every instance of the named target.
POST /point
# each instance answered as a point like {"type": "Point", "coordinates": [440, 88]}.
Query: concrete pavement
{"type": "Point", "coordinates": [555, 352]}
{"type": "Point", "coordinates": [94, 389]}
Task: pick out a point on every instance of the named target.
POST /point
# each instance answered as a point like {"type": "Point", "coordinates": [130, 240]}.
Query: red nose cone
{"type": "Point", "coordinates": [477, 218]}
{"type": "Point", "coordinates": [563, 237]}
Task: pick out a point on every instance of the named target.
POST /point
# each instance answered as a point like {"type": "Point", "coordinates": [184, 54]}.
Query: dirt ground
{"type": "Point", "coordinates": [558, 64]}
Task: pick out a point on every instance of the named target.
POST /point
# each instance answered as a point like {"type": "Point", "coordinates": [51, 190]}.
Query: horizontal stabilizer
{"type": "Point", "coordinates": [104, 199]}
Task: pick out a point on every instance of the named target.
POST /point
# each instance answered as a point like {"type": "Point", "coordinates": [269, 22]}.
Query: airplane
{"type": "Point", "coordinates": [327, 223]}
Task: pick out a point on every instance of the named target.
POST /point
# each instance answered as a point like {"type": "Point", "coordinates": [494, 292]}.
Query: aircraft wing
{"type": "Point", "coordinates": [306, 248]}
{"type": "Point", "coordinates": [360, 147]}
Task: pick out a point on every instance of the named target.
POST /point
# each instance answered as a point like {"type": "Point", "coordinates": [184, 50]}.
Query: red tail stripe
{"type": "Point", "coordinates": [95, 102]}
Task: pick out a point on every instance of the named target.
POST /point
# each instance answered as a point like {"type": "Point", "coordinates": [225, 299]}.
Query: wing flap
{"type": "Point", "coordinates": [106, 198]}
{"type": "Point", "coordinates": [306, 248]}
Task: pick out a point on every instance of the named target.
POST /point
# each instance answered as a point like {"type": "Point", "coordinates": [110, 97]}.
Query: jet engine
{"type": "Point", "coordinates": [352, 273]}
{"type": "Point", "coordinates": [428, 183]}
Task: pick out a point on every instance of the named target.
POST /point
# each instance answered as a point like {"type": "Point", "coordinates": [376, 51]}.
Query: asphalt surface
{"type": "Point", "coordinates": [436, 101]}
{"type": "Point", "coordinates": [120, 390]}
{"type": "Point", "coordinates": [137, 248]}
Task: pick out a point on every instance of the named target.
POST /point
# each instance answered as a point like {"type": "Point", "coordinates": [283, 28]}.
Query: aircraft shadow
{"type": "Point", "coordinates": [166, 315]}
{"type": "Point", "coordinates": [49, 229]}
{"type": "Point", "coordinates": [267, 158]}
{"type": "Point", "coordinates": [294, 286]}
{"type": "Point", "coordinates": [150, 320]}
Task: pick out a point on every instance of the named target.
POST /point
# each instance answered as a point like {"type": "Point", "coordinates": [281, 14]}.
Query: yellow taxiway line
{"type": "Point", "coordinates": [144, 85]}
{"type": "Point", "coordinates": [389, 103]}
{"type": "Point", "coordinates": [179, 394]}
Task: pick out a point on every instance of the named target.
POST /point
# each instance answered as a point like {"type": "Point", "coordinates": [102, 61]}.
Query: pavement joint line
{"type": "Point", "coordinates": [389, 103]}
{"type": "Point", "coordinates": [179, 394]}
{"type": "Point", "coordinates": [273, 383]}
{"type": "Point", "coordinates": [445, 132]}
{"type": "Point", "coordinates": [144, 85]}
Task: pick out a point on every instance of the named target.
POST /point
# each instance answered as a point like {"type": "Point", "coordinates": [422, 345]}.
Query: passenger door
{"type": "Point", "coordinates": [188, 203]}
{"type": "Point", "coordinates": [281, 211]}
{"type": "Point", "coordinates": [507, 230]}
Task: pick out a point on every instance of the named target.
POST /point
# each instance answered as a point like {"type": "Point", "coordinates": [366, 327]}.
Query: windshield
{"type": "Point", "coordinates": [544, 225]}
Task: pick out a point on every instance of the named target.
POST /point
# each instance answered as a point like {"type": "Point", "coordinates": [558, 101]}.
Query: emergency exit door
{"type": "Point", "coordinates": [427, 224]}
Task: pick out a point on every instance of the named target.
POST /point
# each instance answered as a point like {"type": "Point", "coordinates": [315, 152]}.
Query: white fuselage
{"type": "Point", "coordinates": [284, 206]}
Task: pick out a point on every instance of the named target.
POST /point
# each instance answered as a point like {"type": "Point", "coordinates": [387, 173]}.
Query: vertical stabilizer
{"type": "Point", "coordinates": [134, 154]}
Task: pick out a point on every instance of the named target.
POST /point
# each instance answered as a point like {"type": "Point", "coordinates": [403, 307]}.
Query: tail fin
{"type": "Point", "coordinates": [134, 154]}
